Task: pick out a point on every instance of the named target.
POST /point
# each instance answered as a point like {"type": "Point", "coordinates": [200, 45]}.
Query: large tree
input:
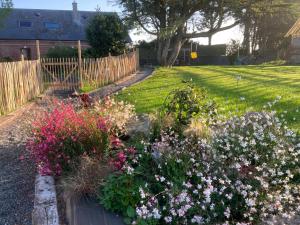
{"type": "Point", "coordinates": [5, 6]}
{"type": "Point", "coordinates": [173, 22]}
{"type": "Point", "coordinates": [265, 23]}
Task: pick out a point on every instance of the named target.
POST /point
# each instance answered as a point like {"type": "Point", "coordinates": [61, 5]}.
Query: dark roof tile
{"type": "Point", "coordinates": [68, 31]}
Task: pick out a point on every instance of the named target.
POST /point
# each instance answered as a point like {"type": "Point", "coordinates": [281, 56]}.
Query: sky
{"type": "Point", "coordinates": [111, 5]}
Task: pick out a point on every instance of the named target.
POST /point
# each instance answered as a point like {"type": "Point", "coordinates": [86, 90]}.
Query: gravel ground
{"type": "Point", "coordinates": [17, 171]}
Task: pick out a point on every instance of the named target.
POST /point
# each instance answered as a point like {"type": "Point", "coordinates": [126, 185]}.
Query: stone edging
{"type": "Point", "coordinates": [45, 203]}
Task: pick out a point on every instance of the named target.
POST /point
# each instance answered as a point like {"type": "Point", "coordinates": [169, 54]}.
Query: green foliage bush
{"type": "Point", "coordinates": [62, 52]}
{"type": "Point", "coordinates": [106, 34]}
{"type": "Point", "coordinates": [182, 105]}
{"type": "Point", "coordinates": [6, 59]}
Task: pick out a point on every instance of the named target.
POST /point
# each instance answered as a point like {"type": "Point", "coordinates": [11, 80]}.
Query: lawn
{"type": "Point", "coordinates": [258, 86]}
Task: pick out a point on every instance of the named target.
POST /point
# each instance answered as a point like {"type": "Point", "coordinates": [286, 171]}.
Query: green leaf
{"type": "Point", "coordinates": [130, 212]}
{"type": "Point", "coordinates": [127, 220]}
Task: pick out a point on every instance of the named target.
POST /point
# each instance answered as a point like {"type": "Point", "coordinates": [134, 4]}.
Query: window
{"type": "Point", "coordinates": [52, 26]}
{"type": "Point", "coordinates": [24, 23]}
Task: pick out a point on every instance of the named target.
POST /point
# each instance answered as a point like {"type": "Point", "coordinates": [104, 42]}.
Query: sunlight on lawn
{"type": "Point", "coordinates": [257, 86]}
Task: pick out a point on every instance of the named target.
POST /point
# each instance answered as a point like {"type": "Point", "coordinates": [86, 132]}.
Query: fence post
{"type": "Point", "coordinates": [39, 66]}
{"type": "Point", "coordinates": [137, 55]}
{"type": "Point", "coordinates": [80, 63]}
{"type": "Point", "coordinates": [38, 52]}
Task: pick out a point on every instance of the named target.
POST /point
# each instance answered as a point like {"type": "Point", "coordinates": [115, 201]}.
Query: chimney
{"type": "Point", "coordinates": [76, 16]}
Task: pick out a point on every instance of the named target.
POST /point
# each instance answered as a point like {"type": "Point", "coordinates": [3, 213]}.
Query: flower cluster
{"type": "Point", "coordinates": [118, 112]}
{"type": "Point", "coordinates": [120, 160]}
{"type": "Point", "coordinates": [62, 135]}
{"type": "Point", "coordinates": [235, 172]}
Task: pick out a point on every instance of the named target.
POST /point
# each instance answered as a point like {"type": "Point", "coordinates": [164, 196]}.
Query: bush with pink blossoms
{"type": "Point", "coordinates": [60, 137]}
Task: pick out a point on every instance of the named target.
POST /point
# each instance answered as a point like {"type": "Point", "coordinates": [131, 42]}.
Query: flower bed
{"type": "Point", "coordinates": [200, 170]}
{"type": "Point", "coordinates": [194, 167]}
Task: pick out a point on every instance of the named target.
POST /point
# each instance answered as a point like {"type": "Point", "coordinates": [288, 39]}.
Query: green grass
{"type": "Point", "coordinates": [259, 85]}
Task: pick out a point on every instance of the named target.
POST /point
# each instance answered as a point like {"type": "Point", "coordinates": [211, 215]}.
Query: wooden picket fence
{"type": "Point", "coordinates": [72, 73]}
{"type": "Point", "coordinates": [61, 73]}
{"type": "Point", "coordinates": [103, 71]}
{"type": "Point", "coordinates": [22, 81]}
{"type": "Point", "coordinates": [19, 82]}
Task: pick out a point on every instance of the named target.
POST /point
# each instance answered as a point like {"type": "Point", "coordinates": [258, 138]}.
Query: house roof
{"type": "Point", "coordinates": [69, 29]}
{"type": "Point", "coordinates": [295, 30]}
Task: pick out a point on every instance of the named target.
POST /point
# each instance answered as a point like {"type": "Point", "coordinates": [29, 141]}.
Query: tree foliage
{"type": "Point", "coordinates": [5, 6]}
{"type": "Point", "coordinates": [173, 22]}
{"type": "Point", "coordinates": [266, 22]}
{"type": "Point", "coordinates": [106, 34]}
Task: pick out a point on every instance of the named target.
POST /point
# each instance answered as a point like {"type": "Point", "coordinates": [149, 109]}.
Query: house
{"type": "Point", "coordinates": [22, 27]}
{"type": "Point", "coordinates": [294, 34]}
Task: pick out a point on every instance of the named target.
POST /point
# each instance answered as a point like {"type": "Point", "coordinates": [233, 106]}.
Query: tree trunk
{"type": "Point", "coordinates": [209, 40]}
{"type": "Point", "coordinates": [166, 57]}
{"type": "Point", "coordinates": [163, 51]}
{"type": "Point", "coordinates": [246, 41]}
{"type": "Point", "coordinates": [175, 51]}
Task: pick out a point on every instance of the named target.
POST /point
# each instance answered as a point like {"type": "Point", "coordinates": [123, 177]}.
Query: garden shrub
{"type": "Point", "coordinates": [181, 107]}
{"type": "Point", "coordinates": [63, 135]}
{"type": "Point", "coordinates": [62, 52]}
{"type": "Point", "coordinates": [6, 59]}
{"type": "Point", "coordinates": [188, 103]}
{"type": "Point", "coordinates": [235, 172]}
{"type": "Point", "coordinates": [118, 112]}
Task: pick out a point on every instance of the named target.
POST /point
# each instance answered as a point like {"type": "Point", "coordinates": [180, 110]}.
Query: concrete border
{"type": "Point", "coordinates": [45, 203]}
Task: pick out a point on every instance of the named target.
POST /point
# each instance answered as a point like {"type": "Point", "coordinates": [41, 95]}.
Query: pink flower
{"type": "Point", "coordinates": [102, 124]}
{"type": "Point", "coordinates": [116, 142]}
{"type": "Point", "coordinates": [131, 150]}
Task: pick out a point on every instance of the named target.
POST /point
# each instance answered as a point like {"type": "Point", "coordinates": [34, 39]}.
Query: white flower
{"type": "Point", "coordinates": [227, 213]}
{"type": "Point", "coordinates": [129, 170]}
{"type": "Point", "coordinates": [156, 214]}
{"type": "Point", "coordinates": [168, 219]}
{"type": "Point", "coordinates": [250, 202]}
{"type": "Point", "coordinates": [142, 193]}
{"type": "Point", "coordinates": [197, 220]}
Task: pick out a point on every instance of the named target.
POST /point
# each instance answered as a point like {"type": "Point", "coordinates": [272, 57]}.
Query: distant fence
{"type": "Point", "coordinates": [73, 73]}
{"type": "Point", "coordinates": [24, 80]}
{"type": "Point", "coordinates": [19, 83]}
{"type": "Point", "coordinates": [102, 71]}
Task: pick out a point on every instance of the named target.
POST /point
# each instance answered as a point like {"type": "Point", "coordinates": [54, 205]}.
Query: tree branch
{"type": "Point", "coordinates": [137, 18]}
{"type": "Point", "coordinates": [211, 32]}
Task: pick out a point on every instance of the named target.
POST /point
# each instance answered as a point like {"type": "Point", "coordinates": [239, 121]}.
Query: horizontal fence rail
{"type": "Point", "coordinates": [19, 83]}
{"type": "Point", "coordinates": [22, 81]}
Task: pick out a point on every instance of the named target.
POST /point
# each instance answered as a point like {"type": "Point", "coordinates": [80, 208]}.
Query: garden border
{"type": "Point", "coordinates": [45, 203]}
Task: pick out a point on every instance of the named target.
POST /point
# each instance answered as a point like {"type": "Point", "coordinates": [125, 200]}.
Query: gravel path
{"type": "Point", "coordinates": [126, 82]}
{"type": "Point", "coordinates": [17, 171]}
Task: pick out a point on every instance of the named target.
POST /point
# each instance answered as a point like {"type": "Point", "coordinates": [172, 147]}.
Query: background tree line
{"type": "Point", "coordinates": [174, 22]}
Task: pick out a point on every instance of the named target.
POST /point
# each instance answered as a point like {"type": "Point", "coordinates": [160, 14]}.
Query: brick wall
{"type": "Point", "coordinates": [12, 48]}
